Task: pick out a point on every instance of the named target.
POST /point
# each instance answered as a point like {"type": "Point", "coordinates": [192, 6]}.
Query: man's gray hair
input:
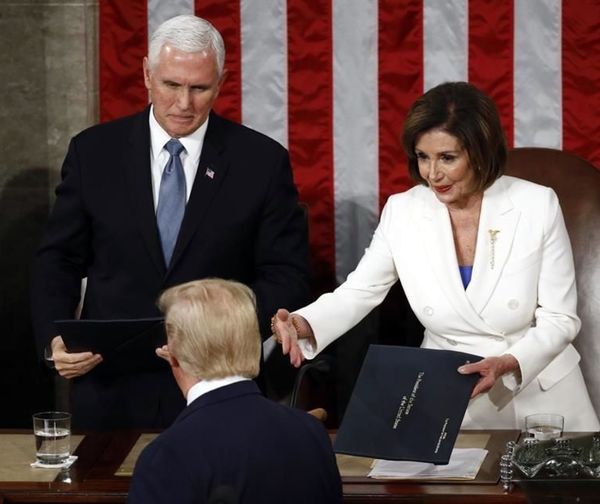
{"type": "Point", "coordinates": [187, 33]}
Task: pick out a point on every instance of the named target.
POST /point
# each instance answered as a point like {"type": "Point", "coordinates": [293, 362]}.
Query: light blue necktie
{"type": "Point", "coordinates": [171, 199]}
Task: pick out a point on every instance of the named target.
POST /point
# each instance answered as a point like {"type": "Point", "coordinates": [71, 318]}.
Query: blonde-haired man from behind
{"type": "Point", "coordinates": [230, 441]}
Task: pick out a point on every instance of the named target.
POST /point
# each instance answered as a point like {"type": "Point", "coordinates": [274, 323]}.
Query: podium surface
{"type": "Point", "coordinates": [101, 475]}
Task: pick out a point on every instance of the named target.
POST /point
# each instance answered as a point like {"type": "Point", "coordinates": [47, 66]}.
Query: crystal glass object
{"type": "Point", "coordinates": [562, 458]}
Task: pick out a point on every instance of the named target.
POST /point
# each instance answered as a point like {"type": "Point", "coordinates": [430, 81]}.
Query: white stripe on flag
{"type": "Point", "coordinates": [537, 81]}
{"type": "Point", "coordinates": [355, 129]}
{"type": "Point", "coordinates": [445, 33]}
{"type": "Point", "coordinates": [264, 76]}
{"type": "Point", "coordinates": [264, 68]}
{"type": "Point", "coordinates": [159, 11]}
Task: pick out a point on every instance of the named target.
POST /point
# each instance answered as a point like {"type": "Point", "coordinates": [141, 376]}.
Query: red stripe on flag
{"type": "Point", "coordinates": [400, 84]}
{"type": "Point", "coordinates": [491, 69]}
{"type": "Point", "coordinates": [310, 117]}
{"type": "Point", "coordinates": [225, 16]}
{"type": "Point", "coordinates": [123, 45]}
{"type": "Point", "coordinates": [581, 78]}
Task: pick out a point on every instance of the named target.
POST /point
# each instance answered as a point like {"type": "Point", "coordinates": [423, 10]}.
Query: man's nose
{"type": "Point", "coordinates": [183, 98]}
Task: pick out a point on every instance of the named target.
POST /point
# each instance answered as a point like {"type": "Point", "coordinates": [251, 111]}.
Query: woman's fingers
{"type": "Point", "coordinates": [484, 384]}
{"type": "Point", "coordinates": [490, 370]}
{"type": "Point", "coordinates": [296, 356]}
{"type": "Point", "coordinates": [285, 329]}
{"type": "Point", "coordinates": [282, 314]}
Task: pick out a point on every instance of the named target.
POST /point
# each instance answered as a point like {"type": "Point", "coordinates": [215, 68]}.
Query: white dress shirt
{"type": "Point", "coordinates": [159, 156]}
{"type": "Point", "coordinates": [205, 386]}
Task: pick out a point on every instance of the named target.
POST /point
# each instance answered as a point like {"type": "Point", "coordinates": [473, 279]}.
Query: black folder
{"type": "Point", "coordinates": [407, 404]}
{"type": "Point", "coordinates": [126, 346]}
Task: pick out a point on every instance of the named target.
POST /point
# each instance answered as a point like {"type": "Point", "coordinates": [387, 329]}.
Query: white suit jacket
{"type": "Point", "coordinates": [522, 297]}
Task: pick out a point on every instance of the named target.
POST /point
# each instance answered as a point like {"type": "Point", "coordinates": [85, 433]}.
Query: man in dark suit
{"type": "Point", "coordinates": [171, 194]}
{"type": "Point", "coordinates": [230, 439]}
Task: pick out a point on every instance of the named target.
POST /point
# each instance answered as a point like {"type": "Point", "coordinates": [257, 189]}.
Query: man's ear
{"type": "Point", "coordinates": [224, 76]}
{"type": "Point", "coordinates": [146, 67]}
{"type": "Point", "coordinates": [222, 79]}
{"type": "Point", "coordinates": [173, 361]}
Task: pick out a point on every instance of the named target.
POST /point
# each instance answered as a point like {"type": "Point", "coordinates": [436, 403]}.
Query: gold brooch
{"type": "Point", "coordinates": [493, 237]}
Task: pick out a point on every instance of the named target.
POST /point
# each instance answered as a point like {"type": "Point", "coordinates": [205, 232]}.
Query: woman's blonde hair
{"type": "Point", "coordinates": [212, 328]}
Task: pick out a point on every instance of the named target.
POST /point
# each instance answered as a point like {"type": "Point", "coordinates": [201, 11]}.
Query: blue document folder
{"type": "Point", "coordinates": [407, 404]}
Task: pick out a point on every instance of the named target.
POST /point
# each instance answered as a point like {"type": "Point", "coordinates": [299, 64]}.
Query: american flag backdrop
{"type": "Point", "coordinates": [333, 79]}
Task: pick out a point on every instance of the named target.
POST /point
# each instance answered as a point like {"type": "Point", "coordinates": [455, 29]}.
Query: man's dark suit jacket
{"type": "Point", "coordinates": [242, 222]}
{"type": "Point", "coordinates": [236, 438]}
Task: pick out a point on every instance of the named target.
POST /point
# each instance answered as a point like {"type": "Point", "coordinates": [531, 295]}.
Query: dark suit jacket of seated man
{"type": "Point", "coordinates": [230, 440]}
{"type": "Point", "coordinates": [242, 221]}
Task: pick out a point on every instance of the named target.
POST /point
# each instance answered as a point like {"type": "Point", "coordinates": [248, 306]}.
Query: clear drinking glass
{"type": "Point", "coordinates": [544, 426]}
{"type": "Point", "coordinates": [52, 430]}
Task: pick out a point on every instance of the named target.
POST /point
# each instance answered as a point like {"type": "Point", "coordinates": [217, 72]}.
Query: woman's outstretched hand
{"type": "Point", "coordinates": [287, 330]}
{"type": "Point", "coordinates": [489, 369]}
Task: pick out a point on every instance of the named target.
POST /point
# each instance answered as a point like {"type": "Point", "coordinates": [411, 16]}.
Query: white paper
{"type": "Point", "coordinates": [464, 464]}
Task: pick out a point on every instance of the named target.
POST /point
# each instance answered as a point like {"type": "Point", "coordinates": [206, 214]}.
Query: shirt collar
{"type": "Point", "coordinates": [159, 137]}
{"type": "Point", "coordinates": [205, 386]}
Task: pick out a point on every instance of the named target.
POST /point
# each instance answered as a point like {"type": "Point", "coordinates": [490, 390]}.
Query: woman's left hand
{"type": "Point", "coordinates": [490, 369]}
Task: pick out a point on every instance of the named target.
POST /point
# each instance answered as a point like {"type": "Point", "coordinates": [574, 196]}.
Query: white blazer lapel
{"type": "Point", "coordinates": [440, 251]}
{"type": "Point", "coordinates": [497, 225]}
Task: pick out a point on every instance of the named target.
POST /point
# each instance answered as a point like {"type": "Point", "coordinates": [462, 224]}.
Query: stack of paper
{"type": "Point", "coordinates": [464, 464]}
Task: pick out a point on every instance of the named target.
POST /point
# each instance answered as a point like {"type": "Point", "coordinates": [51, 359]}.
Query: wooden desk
{"type": "Point", "coordinates": [92, 479]}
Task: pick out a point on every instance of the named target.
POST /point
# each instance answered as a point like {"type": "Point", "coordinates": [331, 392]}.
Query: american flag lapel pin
{"type": "Point", "coordinates": [210, 173]}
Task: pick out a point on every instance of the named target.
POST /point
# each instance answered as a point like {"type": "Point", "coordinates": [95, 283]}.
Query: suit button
{"type": "Point", "coordinates": [452, 342]}
{"type": "Point", "coordinates": [513, 304]}
{"type": "Point", "coordinates": [428, 310]}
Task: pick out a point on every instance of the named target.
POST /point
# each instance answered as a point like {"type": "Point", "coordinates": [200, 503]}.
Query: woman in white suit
{"type": "Point", "coordinates": [485, 262]}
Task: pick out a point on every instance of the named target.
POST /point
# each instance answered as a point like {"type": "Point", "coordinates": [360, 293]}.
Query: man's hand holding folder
{"type": "Point", "coordinates": [121, 346]}
{"type": "Point", "coordinates": [71, 365]}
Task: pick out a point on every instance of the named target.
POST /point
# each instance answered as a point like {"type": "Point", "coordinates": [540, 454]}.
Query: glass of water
{"type": "Point", "coordinates": [52, 430]}
{"type": "Point", "coordinates": [544, 426]}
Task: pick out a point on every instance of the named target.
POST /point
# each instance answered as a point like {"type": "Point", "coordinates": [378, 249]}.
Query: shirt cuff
{"type": "Point", "coordinates": [48, 357]}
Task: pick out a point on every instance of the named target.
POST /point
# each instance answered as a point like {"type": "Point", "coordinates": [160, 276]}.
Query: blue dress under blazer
{"type": "Point", "coordinates": [521, 299]}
